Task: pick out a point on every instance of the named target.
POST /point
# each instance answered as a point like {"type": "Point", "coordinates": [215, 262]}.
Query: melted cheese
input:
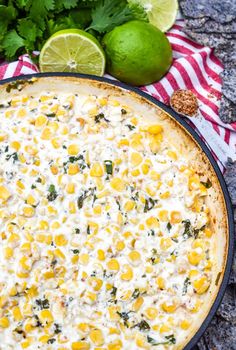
{"type": "Point", "coordinates": [104, 228]}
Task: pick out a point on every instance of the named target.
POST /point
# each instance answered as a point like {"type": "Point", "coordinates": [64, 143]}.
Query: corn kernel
{"type": "Point", "coordinates": [160, 282]}
{"type": "Point", "coordinates": [84, 259]}
{"type": "Point", "coordinates": [129, 205]}
{"type": "Point", "coordinates": [163, 215]}
{"type": "Point", "coordinates": [175, 217]}
{"type": "Point", "coordinates": [194, 258]}
{"type": "Point", "coordinates": [80, 345]}
{"type": "Point", "coordinates": [97, 170]}
{"type": "Point", "coordinates": [96, 337]}
{"type": "Point", "coordinates": [169, 307]}
{"type": "Point", "coordinates": [4, 193]}
{"type": "Point", "coordinates": [46, 317]}
{"type": "Point", "coordinates": [201, 285]}
{"type": "Point", "coordinates": [8, 252]}
{"type": "Point", "coordinates": [136, 159]}
{"type": "Point", "coordinates": [113, 265]}
{"type": "Point", "coordinates": [115, 345]}
{"type": "Point", "coordinates": [185, 324]}
{"type": "Point", "coordinates": [28, 212]}
{"type": "Point", "coordinates": [17, 314]}
{"type": "Point", "coordinates": [73, 169]}
{"type": "Point", "coordinates": [134, 257]}
{"type": "Point", "coordinates": [165, 243]}
{"type": "Point", "coordinates": [127, 275]}
{"type": "Point", "coordinates": [120, 245]}
{"type": "Point", "coordinates": [117, 184]}
{"type": "Point", "coordinates": [101, 255]}
{"type": "Point", "coordinates": [4, 322]}
{"type": "Point", "coordinates": [73, 150]}
{"type": "Point", "coordinates": [60, 240]}
{"type": "Point", "coordinates": [155, 129]}
{"type": "Point", "coordinates": [137, 304]}
{"type": "Point", "coordinates": [151, 313]}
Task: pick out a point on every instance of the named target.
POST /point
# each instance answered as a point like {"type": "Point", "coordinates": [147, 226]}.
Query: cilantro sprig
{"type": "Point", "coordinates": [25, 25]}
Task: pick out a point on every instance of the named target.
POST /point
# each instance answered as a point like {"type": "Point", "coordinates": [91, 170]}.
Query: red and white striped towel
{"type": "Point", "coordinates": [194, 67]}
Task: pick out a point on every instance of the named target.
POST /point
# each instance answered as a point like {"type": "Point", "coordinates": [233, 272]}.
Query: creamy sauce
{"type": "Point", "coordinates": [104, 228]}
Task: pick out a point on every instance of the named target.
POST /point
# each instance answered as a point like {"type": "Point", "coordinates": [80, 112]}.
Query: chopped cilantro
{"type": "Point", "coordinates": [113, 291]}
{"type": "Point", "coordinates": [42, 303]}
{"type": "Point", "coordinates": [52, 193]}
{"type": "Point", "coordinates": [170, 339]}
{"type": "Point", "coordinates": [99, 117]}
{"type": "Point", "coordinates": [142, 325]}
{"type": "Point", "coordinates": [186, 284]}
{"type": "Point", "coordinates": [149, 204]}
{"type": "Point", "coordinates": [169, 226]}
{"type": "Point", "coordinates": [207, 184]}
{"type": "Point", "coordinates": [136, 293]}
{"type": "Point", "coordinates": [109, 167]}
{"type": "Point", "coordinates": [131, 127]}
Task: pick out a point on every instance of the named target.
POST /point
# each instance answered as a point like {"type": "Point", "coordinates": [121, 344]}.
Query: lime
{"type": "Point", "coordinates": [72, 50]}
{"type": "Point", "coordinates": [137, 53]}
{"type": "Point", "coordinates": [161, 13]}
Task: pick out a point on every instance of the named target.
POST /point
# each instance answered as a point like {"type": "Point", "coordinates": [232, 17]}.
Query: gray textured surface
{"type": "Point", "coordinates": [213, 23]}
{"type": "Point", "coordinates": [220, 11]}
{"type": "Point", "coordinates": [229, 83]}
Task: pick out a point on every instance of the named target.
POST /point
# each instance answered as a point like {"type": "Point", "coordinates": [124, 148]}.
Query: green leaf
{"type": "Point", "coordinates": [39, 11]}
{"type": "Point", "coordinates": [12, 42]}
{"type": "Point", "coordinates": [7, 13]}
{"type": "Point", "coordinates": [109, 14]}
{"type": "Point", "coordinates": [138, 12]}
{"type": "Point", "coordinates": [27, 29]}
{"type": "Point", "coordinates": [68, 4]}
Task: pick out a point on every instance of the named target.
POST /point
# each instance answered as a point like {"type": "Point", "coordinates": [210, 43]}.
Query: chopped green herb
{"type": "Point", "coordinates": [188, 230]}
{"type": "Point", "coordinates": [169, 226]}
{"type": "Point", "coordinates": [42, 303]}
{"type": "Point", "coordinates": [52, 193]}
{"type": "Point", "coordinates": [207, 184]}
{"type": "Point", "coordinates": [13, 156]}
{"type": "Point", "coordinates": [136, 293]}
{"type": "Point", "coordinates": [75, 251]}
{"type": "Point", "coordinates": [113, 291]}
{"type": "Point", "coordinates": [100, 117]}
{"type": "Point", "coordinates": [131, 127]}
{"type": "Point", "coordinates": [149, 204]}
{"type": "Point", "coordinates": [39, 180]}
{"type": "Point", "coordinates": [57, 328]}
{"type": "Point", "coordinates": [33, 187]}
{"type": "Point", "coordinates": [170, 339]}
{"type": "Point", "coordinates": [50, 115]}
{"type": "Point", "coordinates": [77, 231]}
{"type": "Point", "coordinates": [124, 316]}
{"type": "Point", "coordinates": [88, 230]}
{"type": "Point", "coordinates": [186, 284]}
{"type": "Point", "coordinates": [109, 167]}
{"type": "Point", "coordinates": [51, 341]}
{"type": "Point", "coordinates": [123, 111]}
{"type": "Point", "coordinates": [142, 325]}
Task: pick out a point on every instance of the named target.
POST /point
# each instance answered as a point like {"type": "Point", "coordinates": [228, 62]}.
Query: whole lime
{"type": "Point", "coordinates": [137, 53]}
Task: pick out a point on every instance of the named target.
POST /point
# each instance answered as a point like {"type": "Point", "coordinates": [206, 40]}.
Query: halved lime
{"type": "Point", "coordinates": [72, 50]}
{"type": "Point", "coordinates": [161, 13]}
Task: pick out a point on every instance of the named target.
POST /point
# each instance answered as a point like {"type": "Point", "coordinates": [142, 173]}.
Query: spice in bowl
{"type": "Point", "coordinates": [184, 102]}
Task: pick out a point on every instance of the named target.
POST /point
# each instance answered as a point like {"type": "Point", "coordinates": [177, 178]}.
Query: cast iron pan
{"type": "Point", "coordinates": [228, 203]}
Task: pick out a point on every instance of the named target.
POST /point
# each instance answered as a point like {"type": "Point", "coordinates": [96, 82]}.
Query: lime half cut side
{"type": "Point", "coordinates": [72, 50]}
{"type": "Point", "coordinates": [161, 13]}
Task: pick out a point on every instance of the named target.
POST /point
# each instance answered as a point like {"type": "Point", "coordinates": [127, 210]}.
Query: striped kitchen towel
{"type": "Point", "coordinates": [194, 67]}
